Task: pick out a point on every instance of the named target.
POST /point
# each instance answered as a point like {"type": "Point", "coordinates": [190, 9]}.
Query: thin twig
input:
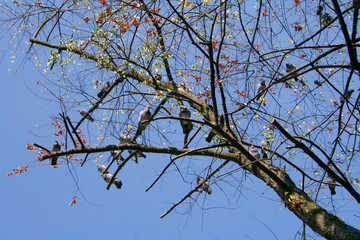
{"type": "Point", "coordinates": [83, 162]}
{"type": "Point", "coordinates": [76, 134]}
{"type": "Point", "coordinates": [195, 189]}
{"type": "Point", "coordinates": [96, 105]}
{"type": "Point", "coordinates": [179, 156]}
{"type": "Point", "coordinates": [68, 130]}
{"type": "Point", "coordinates": [193, 136]}
{"type": "Point", "coordinates": [42, 147]}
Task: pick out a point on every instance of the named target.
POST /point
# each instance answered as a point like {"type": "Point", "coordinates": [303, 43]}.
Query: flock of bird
{"type": "Point", "coordinates": [187, 126]}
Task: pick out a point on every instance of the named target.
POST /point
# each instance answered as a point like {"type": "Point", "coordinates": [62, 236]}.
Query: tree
{"type": "Point", "coordinates": [209, 56]}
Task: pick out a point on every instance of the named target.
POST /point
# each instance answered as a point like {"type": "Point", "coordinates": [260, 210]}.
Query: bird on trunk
{"type": "Point", "coordinates": [265, 144]}
{"type": "Point", "coordinates": [256, 154]}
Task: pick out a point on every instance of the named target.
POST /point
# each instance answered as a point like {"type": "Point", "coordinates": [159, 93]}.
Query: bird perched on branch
{"type": "Point", "coordinates": [213, 132]}
{"type": "Point", "coordinates": [347, 94]}
{"type": "Point", "coordinates": [101, 168]}
{"type": "Point", "coordinates": [331, 182]}
{"type": "Point", "coordinates": [265, 144]}
{"type": "Point", "coordinates": [256, 154]}
{"type": "Point", "coordinates": [290, 68]}
{"type": "Point", "coordinates": [117, 154]}
{"type": "Point", "coordinates": [144, 120]}
{"type": "Point", "coordinates": [103, 90]}
{"type": "Point", "coordinates": [55, 148]}
{"type": "Point", "coordinates": [107, 175]}
{"type": "Point", "coordinates": [186, 125]}
{"type": "Point", "coordinates": [85, 114]}
{"type": "Point", "coordinates": [126, 138]}
{"type": "Point", "coordinates": [203, 185]}
{"type": "Point", "coordinates": [260, 87]}
{"type": "Point", "coordinates": [137, 155]}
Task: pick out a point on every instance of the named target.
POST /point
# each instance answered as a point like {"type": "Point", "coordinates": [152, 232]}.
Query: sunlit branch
{"type": "Point", "coordinates": [144, 148]}
{"type": "Point", "coordinates": [42, 147]}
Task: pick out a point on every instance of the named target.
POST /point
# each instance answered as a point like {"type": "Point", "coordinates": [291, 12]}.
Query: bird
{"type": "Point", "coordinates": [144, 118]}
{"type": "Point", "coordinates": [101, 168]}
{"type": "Point", "coordinates": [137, 155]}
{"type": "Point", "coordinates": [331, 182]}
{"type": "Point", "coordinates": [265, 144]}
{"type": "Point", "coordinates": [126, 138]}
{"type": "Point", "coordinates": [203, 185]}
{"type": "Point", "coordinates": [256, 154]}
{"type": "Point", "coordinates": [107, 177]}
{"type": "Point", "coordinates": [85, 114]}
{"type": "Point", "coordinates": [290, 68]}
{"type": "Point", "coordinates": [117, 155]}
{"type": "Point", "coordinates": [347, 95]}
{"type": "Point", "coordinates": [55, 148]}
{"type": "Point", "coordinates": [187, 126]}
{"type": "Point", "coordinates": [213, 132]}
{"type": "Point", "coordinates": [260, 87]}
{"type": "Point", "coordinates": [103, 90]}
